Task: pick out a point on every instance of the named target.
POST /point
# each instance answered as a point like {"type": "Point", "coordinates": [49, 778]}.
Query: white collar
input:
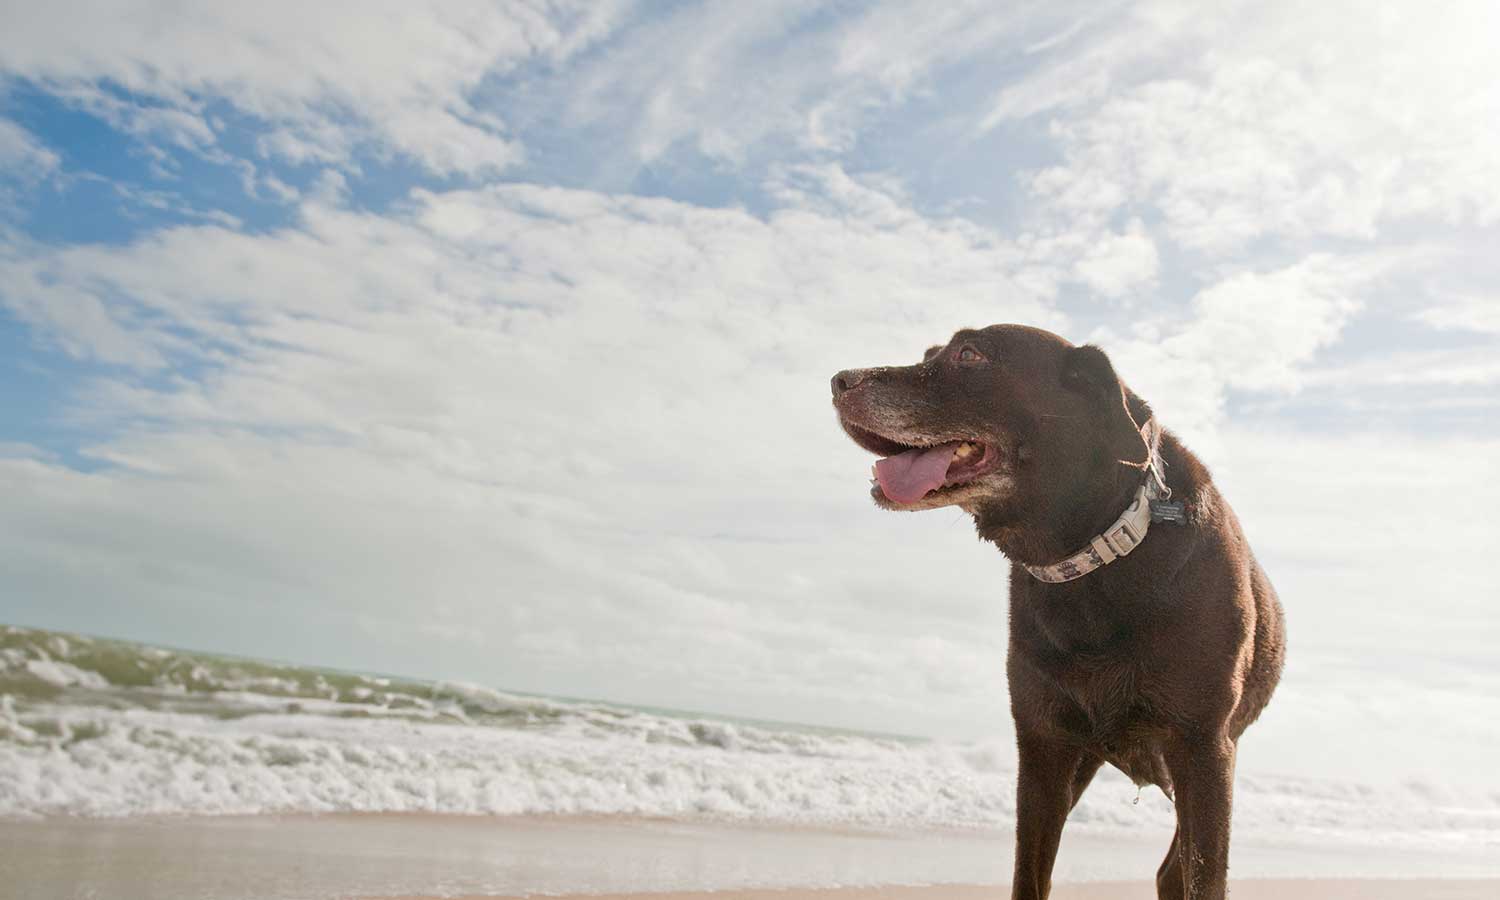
{"type": "Point", "coordinates": [1117, 540]}
{"type": "Point", "coordinates": [1127, 532]}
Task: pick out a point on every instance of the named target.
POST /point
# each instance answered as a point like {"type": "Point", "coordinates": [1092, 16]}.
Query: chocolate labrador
{"type": "Point", "coordinates": [1143, 633]}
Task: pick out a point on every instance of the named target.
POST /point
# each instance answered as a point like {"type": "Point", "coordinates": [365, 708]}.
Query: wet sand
{"type": "Point", "coordinates": [429, 856]}
{"type": "Point", "coordinates": [1269, 889]}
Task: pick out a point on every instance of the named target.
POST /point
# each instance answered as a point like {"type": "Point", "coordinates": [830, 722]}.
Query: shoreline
{"type": "Point", "coordinates": [426, 856]}
{"type": "Point", "coordinates": [1246, 889]}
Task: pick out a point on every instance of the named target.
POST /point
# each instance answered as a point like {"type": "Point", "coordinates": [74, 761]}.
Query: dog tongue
{"type": "Point", "coordinates": [908, 476]}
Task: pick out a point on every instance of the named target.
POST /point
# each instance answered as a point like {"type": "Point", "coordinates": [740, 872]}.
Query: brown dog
{"type": "Point", "coordinates": [1142, 631]}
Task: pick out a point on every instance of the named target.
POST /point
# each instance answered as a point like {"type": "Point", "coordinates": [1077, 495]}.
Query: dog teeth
{"type": "Point", "coordinates": [965, 450]}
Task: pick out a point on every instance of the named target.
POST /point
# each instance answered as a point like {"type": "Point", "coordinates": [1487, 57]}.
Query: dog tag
{"type": "Point", "coordinates": [1168, 511]}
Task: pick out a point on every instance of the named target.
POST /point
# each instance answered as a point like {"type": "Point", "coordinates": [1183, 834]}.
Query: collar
{"type": "Point", "coordinates": [1117, 540]}
{"type": "Point", "coordinates": [1127, 532]}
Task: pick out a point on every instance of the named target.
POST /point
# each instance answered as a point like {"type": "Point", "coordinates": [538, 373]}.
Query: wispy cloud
{"type": "Point", "coordinates": [1256, 123]}
{"type": "Point", "coordinates": [22, 154]}
{"type": "Point", "coordinates": [24, 162]}
{"type": "Point", "coordinates": [323, 79]}
{"type": "Point", "coordinates": [472, 423]}
{"type": "Point", "coordinates": [1476, 314]}
{"type": "Point", "coordinates": [726, 76]}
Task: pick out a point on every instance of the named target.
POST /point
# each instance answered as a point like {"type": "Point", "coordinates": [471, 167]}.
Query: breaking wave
{"type": "Point", "coordinates": [105, 728]}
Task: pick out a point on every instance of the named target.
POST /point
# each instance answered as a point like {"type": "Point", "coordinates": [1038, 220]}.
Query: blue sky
{"type": "Point", "coordinates": [491, 341]}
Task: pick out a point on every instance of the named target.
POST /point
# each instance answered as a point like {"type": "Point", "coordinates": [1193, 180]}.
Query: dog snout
{"type": "Point", "coordinates": [848, 380]}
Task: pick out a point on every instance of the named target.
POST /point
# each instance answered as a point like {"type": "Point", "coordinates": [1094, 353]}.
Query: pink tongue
{"type": "Point", "coordinates": [908, 476]}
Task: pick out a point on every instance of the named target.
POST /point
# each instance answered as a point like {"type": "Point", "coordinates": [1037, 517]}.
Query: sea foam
{"type": "Point", "coordinates": [103, 728]}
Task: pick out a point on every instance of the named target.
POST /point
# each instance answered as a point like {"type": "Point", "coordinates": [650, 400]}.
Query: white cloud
{"type": "Point", "coordinates": [19, 450]}
{"type": "Point", "coordinates": [1475, 367]}
{"type": "Point", "coordinates": [622, 437]}
{"type": "Point", "coordinates": [513, 252]}
{"type": "Point", "coordinates": [184, 127]}
{"type": "Point", "coordinates": [817, 77]}
{"type": "Point", "coordinates": [1251, 331]}
{"type": "Point", "coordinates": [21, 154]}
{"type": "Point", "coordinates": [1279, 123]}
{"type": "Point", "coordinates": [578, 442]}
{"type": "Point", "coordinates": [1477, 314]}
{"type": "Point", "coordinates": [560, 470]}
{"type": "Point", "coordinates": [1119, 264]}
{"type": "Point", "coordinates": [1256, 328]}
{"type": "Point", "coordinates": [324, 77]}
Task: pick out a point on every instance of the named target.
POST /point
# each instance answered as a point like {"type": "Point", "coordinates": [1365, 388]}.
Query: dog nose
{"type": "Point", "coordinates": [848, 380]}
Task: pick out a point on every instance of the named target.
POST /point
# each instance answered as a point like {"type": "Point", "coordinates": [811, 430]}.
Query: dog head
{"type": "Point", "coordinates": [1012, 424]}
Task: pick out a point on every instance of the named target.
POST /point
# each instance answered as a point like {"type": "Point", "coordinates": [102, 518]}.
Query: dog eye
{"type": "Point", "coordinates": [969, 354]}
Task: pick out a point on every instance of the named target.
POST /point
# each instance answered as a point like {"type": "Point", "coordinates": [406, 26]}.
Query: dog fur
{"type": "Point", "coordinates": [1155, 663]}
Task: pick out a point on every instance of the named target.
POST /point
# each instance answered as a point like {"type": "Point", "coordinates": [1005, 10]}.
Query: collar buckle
{"type": "Point", "coordinates": [1124, 537]}
{"type": "Point", "coordinates": [1152, 504]}
{"type": "Point", "coordinates": [1118, 540]}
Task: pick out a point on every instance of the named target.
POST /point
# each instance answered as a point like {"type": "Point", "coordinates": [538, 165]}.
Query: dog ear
{"type": "Point", "coordinates": [1087, 370]}
{"type": "Point", "coordinates": [931, 352]}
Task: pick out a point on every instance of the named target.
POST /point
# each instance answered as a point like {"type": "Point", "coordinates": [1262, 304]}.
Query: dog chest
{"type": "Point", "coordinates": [1108, 712]}
{"type": "Point", "coordinates": [1096, 701]}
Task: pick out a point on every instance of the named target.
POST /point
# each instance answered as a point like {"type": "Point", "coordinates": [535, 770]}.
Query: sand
{"type": "Point", "coordinates": [1267, 889]}
{"type": "Point", "coordinates": [332, 857]}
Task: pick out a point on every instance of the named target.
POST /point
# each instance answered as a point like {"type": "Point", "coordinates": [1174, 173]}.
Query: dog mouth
{"type": "Point", "coordinates": [912, 472]}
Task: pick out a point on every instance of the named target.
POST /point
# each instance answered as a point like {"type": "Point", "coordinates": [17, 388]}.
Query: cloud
{"type": "Point", "coordinates": [818, 77]}
{"type": "Point", "coordinates": [1119, 264]}
{"type": "Point", "coordinates": [24, 162]}
{"type": "Point", "coordinates": [500, 457]}
{"type": "Point", "coordinates": [1257, 123]}
{"type": "Point", "coordinates": [1475, 367]}
{"type": "Point", "coordinates": [21, 154]}
{"type": "Point", "coordinates": [1256, 328]}
{"type": "Point", "coordinates": [18, 450]}
{"type": "Point", "coordinates": [1474, 314]}
{"type": "Point", "coordinates": [324, 79]}
{"type": "Point", "coordinates": [621, 437]}
{"type": "Point", "coordinates": [513, 250]}
{"type": "Point", "coordinates": [1250, 331]}
{"type": "Point", "coordinates": [573, 441]}
{"type": "Point", "coordinates": [184, 128]}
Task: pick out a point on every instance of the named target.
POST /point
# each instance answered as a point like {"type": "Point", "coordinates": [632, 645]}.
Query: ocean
{"type": "Point", "coordinates": [107, 729]}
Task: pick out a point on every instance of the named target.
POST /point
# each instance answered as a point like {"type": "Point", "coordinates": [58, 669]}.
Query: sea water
{"type": "Point", "coordinates": [101, 728]}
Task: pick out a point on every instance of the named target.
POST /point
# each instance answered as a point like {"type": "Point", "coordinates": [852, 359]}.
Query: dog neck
{"type": "Point", "coordinates": [1128, 530]}
{"type": "Point", "coordinates": [1124, 535]}
{"type": "Point", "coordinates": [1090, 529]}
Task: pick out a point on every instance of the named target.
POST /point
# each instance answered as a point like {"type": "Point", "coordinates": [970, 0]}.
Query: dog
{"type": "Point", "coordinates": [1143, 633]}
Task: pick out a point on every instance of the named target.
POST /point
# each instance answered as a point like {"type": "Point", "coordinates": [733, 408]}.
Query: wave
{"type": "Point", "coordinates": [106, 728]}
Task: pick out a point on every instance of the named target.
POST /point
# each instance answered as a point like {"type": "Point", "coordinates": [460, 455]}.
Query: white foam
{"type": "Point", "coordinates": [83, 760]}
{"type": "Point", "coordinates": [195, 734]}
{"type": "Point", "coordinates": [61, 674]}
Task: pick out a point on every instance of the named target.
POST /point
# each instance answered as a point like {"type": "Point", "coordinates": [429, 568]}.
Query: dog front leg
{"type": "Point", "coordinates": [1051, 778]}
{"type": "Point", "coordinates": [1202, 770]}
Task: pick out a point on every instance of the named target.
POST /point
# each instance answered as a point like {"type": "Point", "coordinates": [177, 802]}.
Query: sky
{"type": "Point", "coordinates": [491, 341]}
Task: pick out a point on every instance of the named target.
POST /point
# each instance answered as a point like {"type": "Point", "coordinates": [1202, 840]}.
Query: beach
{"type": "Point", "coordinates": [130, 771]}
{"type": "Point", "coordinates": [1271, 889]}
{"type": "Point", "coordinates": [326, 857]}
